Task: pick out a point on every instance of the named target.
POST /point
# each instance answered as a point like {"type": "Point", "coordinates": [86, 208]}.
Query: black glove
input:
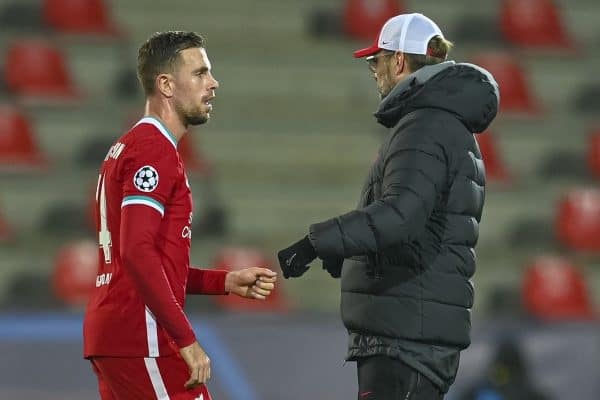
{"type": "Point", "coordinates": [333, 266]}
{"type": "Point", "coordinates": [294, 260]}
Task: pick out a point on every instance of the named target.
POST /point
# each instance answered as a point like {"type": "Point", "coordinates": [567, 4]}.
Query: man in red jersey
{"type": "Point", "coordinates": [136, 334]}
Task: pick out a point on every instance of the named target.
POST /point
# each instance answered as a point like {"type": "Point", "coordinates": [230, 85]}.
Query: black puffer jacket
{"type": "Point", "coordinates": [408, 247]}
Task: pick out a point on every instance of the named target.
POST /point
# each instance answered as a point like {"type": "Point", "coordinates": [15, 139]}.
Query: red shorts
{"type": "Point", "coordinates": [160, 378]}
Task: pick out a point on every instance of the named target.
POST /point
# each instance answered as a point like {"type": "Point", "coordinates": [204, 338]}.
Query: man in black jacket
{"type": "Point", "coordinates": [405, 255]}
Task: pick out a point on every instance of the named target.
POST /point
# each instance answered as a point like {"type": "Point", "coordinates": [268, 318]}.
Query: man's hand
{"type": "Point", "coordinates": [294, 260]}
{"type": "Point", "coordinates": [254, 283]}
{"type": "Point", "coordinates": [198, 364]}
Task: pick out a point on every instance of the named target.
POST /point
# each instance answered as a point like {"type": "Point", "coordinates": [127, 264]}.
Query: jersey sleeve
{"type": "Point", "coordinates": [140, 257]}
{"type": "Point", "coordinates": [149, 174]}
{"type": "Point", "coordinates": [206, 281]}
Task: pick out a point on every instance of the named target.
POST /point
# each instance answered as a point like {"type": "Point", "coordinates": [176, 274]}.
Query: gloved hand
{"type": "Point", "coordinates": [294, 260]}
{"type": "Point", "coordinates": [333, 266]}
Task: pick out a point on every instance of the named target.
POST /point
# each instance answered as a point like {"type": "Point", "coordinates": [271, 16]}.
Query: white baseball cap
{"type": "Point", "coordinates": [408, 33]}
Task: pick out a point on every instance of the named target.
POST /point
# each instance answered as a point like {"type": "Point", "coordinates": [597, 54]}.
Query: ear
{"type": "Point", "coordinates": [400, 63]}
{"type": "Point", "coordinates": [164, 84]}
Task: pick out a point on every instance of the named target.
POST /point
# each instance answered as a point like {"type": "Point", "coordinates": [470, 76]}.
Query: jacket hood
{"type": "Point", "coordinates": [465, 90]}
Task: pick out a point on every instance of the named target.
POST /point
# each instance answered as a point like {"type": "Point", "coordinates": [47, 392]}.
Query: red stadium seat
{"type": "Point", "coordinates": [37, 69]}
{"type": "Point", "coordinates": [79, 17]}
{"type": "Point", "coordinates": [18, 147]}
{"type": "Point", "coordinates": [578, 220]}
{"type": "Point", "coordinates": [235, 258]}
{"type": "Point", "coordinates": [594, 153]}
{"type": "Point", "coordinates": [495, 169]}
{"type": "Point", "coordinates": [515, 95]}
{"type": "Point", "coordinates": [75, 270]}
{"type": "Point", "coordinates": [555, 289]}
{"type": "Point", "coordinates": [533, 23]}
{"type": "Point", "coordinates": [363, 19]}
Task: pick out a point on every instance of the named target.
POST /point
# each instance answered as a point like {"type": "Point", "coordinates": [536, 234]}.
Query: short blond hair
{"type": "Point", "coordinates": [437, 52]}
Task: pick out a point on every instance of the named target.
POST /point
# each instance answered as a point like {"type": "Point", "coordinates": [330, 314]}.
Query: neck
{"type": "Point", "coordinates": [403, 75]}
{"type": "Point", "coordinates": [166, 114]}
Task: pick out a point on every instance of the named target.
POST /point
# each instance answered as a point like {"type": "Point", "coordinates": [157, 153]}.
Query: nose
{"type": "Point", "coordinates": [215, 83]}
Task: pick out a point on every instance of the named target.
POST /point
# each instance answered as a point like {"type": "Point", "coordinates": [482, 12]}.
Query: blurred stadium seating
{"type": "Point", "coordinates": [495, 168]}
{"type": "Point", "coordinates": [594, 153]}
{"type": "Point", "coordinates": [578, 220]}
{"type": "Point", "coordinates": [515, 92]}
{"type": "Point", "coordinates": [534, 24]}
{"type": "Point", "coordinates": [292, 132]}
{"type": "Point", "coordinates": [5, 230]}
{"type": "Point", "coordinates": [258, 143]}
{"type": "Point", "coordinates": [36, 69]}
{"type": "Point", "coordinates": [555, 289]}
{"type": "Point", "coordinates": [363, 19]}
{"type": "Point", "coordinates": [75, 271]}
{"type": "Point", "coordinates": [18, 144]}
{"type": "Point", "coordinates": [79, 17]}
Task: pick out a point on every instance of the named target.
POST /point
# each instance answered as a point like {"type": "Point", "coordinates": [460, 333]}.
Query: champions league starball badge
{"type": "Point", "coordinates": [146, 179]}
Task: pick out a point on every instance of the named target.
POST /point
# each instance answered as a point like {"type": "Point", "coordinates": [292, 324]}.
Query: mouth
{"type": "Point", "coordinates": [208, 102]}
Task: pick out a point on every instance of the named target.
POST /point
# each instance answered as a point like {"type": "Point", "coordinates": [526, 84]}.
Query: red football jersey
{"type": "Point", "coordinates": [142, 169]}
